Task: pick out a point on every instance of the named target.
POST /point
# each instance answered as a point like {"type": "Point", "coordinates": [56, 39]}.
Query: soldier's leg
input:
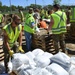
{"type": "Point", "coordinates": [62, 43]}
{"type": "Point", "coordinates": [6, 58]}
{"type": "Point", "coordinates": [56, 42]}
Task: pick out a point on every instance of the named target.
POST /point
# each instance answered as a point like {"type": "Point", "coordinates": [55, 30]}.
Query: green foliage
{"type": "Point", "coordinates": [0, 3]}
{"type": "Point", "coordinates": [56, 2]}
{"type": "Point", "coordinates": [14, 9]}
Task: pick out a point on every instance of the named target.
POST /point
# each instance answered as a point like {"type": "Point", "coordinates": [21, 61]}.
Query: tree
{"type": "Point", "coordinates": [33, 6]}
{"type": "Point", "coordinates": [56, 1]}
{"type": "Point", "coordinates": [13, 8]}
{"type": "Point", "coordinates": [0, 3]}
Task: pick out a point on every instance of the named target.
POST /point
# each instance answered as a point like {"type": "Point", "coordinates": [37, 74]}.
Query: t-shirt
{"type": "Point", "coordinates": [43, 24]}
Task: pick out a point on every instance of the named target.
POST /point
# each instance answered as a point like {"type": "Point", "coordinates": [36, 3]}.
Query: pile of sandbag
{"type": "Point", "coordinates": [39, 62]}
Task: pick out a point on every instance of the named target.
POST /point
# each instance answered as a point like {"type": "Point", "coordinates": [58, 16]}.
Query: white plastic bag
{"type": "Point", "coordinates": [10, 65]}
{"type": "Point", "coordinates": [37, 52]}
{"type": "Point", "coordinates": [2, 68]}
{"type": "Point", "coordinates": [24, 70]}
{"type": "Point", "coordinates": [47, 54]}
{"type": "Point", "coordinates": [62, 59]}
{"type": "Point", "coordinates": [72, 59]}
{"type": "Point", "coordinates": [42, 61]}
{"type": "Point", "coordinates": [37, 29]}
{"type": "Point", "coordinates": [31, 57]}
{"type": "Point", "coordinates": [19, 59]}
{"type": "Point", "coordinates": [72, 70]}
{"type": "Point", "coordinates": [56, 69]}
{"type": "Point", "coordinates": [45, 72]}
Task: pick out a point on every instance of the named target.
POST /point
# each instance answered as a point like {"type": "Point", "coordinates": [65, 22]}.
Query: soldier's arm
{"type": "Point", "coordinates": [51, 24]}
{"type": "Point", "coordinates": [5, 40]}
{"type": "Point", "coordinates": [20, 39]}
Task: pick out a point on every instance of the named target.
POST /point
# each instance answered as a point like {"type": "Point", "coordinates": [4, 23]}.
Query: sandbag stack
{"type": "Point", "coordinates": [38, 62]}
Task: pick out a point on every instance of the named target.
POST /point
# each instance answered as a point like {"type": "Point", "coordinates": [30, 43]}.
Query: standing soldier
{"type": "Point", "coordinates": [29, 29]}
{"type": "Point", "coordinates": [58, 27]}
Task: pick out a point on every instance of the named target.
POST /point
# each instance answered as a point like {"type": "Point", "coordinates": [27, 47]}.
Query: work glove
{"type": "Point", "coordinates": [11, 52]}
{"type": "Point", "coordinates": [20, 49]}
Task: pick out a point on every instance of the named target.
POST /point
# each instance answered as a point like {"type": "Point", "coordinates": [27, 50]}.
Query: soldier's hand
{"type": "Point", "coordinates": [11, 52]}
{"type": "Point", "coordinates": [20, 49]}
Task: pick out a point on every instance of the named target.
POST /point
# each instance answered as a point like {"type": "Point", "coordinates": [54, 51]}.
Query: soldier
{"type": "Point", "coordinates": [11, 32]}
{"type": "Point", "coordinates": [58, 27]}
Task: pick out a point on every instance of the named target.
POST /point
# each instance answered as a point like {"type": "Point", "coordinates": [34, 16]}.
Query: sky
{"type": "Point", "coordinates": [25, 3]}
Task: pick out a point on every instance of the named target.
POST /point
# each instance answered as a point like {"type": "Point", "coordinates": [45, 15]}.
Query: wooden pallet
{"type": "Point", "coordinates": [43, 41]}
{"type": "Point", "coordinates": [1, 51]}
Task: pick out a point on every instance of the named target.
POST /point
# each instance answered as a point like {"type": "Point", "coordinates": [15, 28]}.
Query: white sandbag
{"type": "Point", "coordinates": [47, 54]}
{"type": "Point", "coordinates": [72, 70]}
{"type": "Point", "coordinates": [72, 59]}
{"type": "Point", "coordinates": [45, 72]}
{"type": "Point", "coordinates": [32, 63]}
{"type": "Point", "coordinates": [36, 71]}
{"type": "Point", "coordinates": [56, 69]}
{"type": "Point", "coordinates": [18, 60]}
{"type": "Point", "coordinates": [24, 70]}
{"type": "Point", "coordinates": [62, 59]}
{"type": "Point", "coordinates": [28, 71]}
{"type": "Point", "coordinates": [2, 68]}
{"type": "Point", "coordinates": [15, 55]}
{"type": "Point", "coordinates": [31, 57]}
{"type": "Point", "coordinates": [40, 71]}
{"type": "Point", "coordinates": [37, 52]}
{"type": "Point", "coordinates": [10, 65]}
{"type": "Point", "coordinates": [42, 61]}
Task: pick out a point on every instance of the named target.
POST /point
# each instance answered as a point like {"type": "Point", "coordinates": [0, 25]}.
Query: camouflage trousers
{"type": "Point", "coordinates": [59, 42]}
{"type": "Point", "coordinates": [7, 56]}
